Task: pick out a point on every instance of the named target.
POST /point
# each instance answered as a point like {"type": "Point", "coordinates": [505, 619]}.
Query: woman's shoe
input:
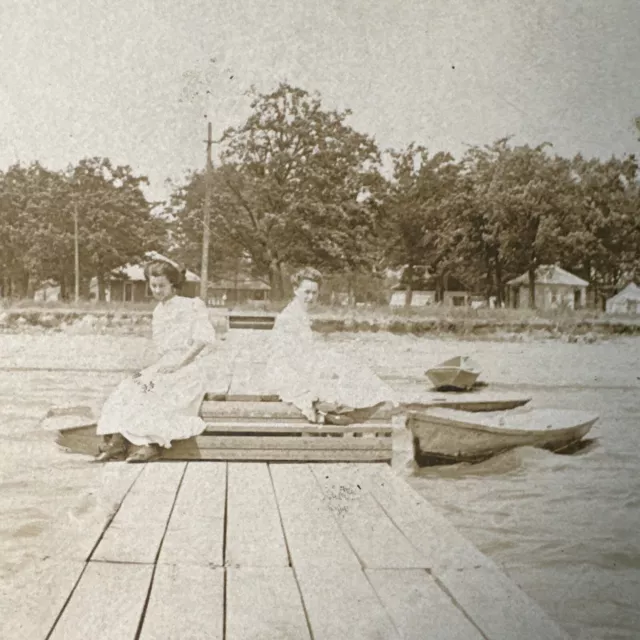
{"type": "Point", "coordinates": [147, 453]}
{"type": "Point", "coordinates": [115, 447]}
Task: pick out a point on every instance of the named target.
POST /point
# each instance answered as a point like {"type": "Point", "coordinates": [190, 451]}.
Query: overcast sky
{"type": "Point", "coordinates": [127, 79]}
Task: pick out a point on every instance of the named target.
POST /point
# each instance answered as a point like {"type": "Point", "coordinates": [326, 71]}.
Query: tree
{"type": "Point", "coordinates": [422, 214]}
{"type": "Point", "coordinates": [290, 188]}
{"type": "Point", "coordinates": [116, 225]}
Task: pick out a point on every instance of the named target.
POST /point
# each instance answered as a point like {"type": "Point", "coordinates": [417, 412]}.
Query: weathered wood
{"type": "Point", "coordinates": [106, 604]}
{"type": "Point", "coordinates": [373, 536]}
{"type": "Point", "coordinates": [495, 604]}
{"type": "Point", "coordinates": [264, 604]}
{"type": "Point", "coordinates": [341, 603]}
{"type": "Point", "coordinates": [195, 532]}
{"type": "Point", "coordinates": [186, 452]}
{"type": "Point", "coordinates": [139, 525]}
{"type": "Point", "coordinates": [419, 608]}
{"type": "Point", "coordinates": [225, 410]}
{"type": "Point", "coordinates": [31, 600]}
{"type": "Point", "coordinates": [186, 602]}
{"type": "Point", "coordinates": [294, 427]}
{"type": "Point", "coordinates": [254, 532]}
{"type": "Point", "coordinates": [289, 443]}
{"type": "Point", "coordinates": [311, 530]}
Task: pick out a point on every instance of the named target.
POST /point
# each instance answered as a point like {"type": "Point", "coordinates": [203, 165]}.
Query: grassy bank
{"type": "Point", "coordinates": [463, 322]}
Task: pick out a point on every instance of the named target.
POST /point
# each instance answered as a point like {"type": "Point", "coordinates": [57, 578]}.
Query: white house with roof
{"type": "Point", "coordinates": [554, 288]}
{"type": "Point", "coordinates": [625, 301]}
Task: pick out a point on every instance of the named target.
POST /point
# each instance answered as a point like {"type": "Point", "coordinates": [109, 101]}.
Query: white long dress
{"type": "Point", "coordinates": [153, 407]}
{"type": "Point", "coordinates": [303, 370]}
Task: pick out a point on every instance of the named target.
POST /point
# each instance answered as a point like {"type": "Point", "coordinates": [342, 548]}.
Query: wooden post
{"type": "Point", "coordinates": [204, 269]}
{"type": "Point", "coordinates": [76, 248]}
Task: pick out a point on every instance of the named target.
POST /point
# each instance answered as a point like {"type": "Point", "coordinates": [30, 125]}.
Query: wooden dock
{"type": "Point", "coordinates": [244, 551]}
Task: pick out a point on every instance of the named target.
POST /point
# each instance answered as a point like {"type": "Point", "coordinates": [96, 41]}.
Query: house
{"type": "Point", "coordinates": [625, 301]}
{"type": "Point", "coordinates": [425, 293]}
{"type": "Point", "coordinates": [48, 291]}
{"type": "Point", "coordinates": [128, 284]}
{"type": "Point", "coordinates": [237, 289]}
{"type": "Point", "coordinates": [554, 288]}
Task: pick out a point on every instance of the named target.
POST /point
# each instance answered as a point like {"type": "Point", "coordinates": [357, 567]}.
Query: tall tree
{"type": "Point", "coordinates": [290, 190]}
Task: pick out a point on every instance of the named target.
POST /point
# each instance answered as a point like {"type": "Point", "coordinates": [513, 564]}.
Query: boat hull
{"type": "Point", "coordinates": [445, 438]}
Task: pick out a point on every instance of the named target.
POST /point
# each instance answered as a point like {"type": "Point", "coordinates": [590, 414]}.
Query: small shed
{"type": "Point", "coordinates": [48, 291]}
{"type": "Point", "coordinates": [128, 284]}
{"type": "Point", "coordinates": [238, 289]}
{"type": "Point", "coordinates": [554, 288]}
{"type": "Point", "coordinates": [625, 301]}
{"type": "Point", "coordinates": [455, 293]}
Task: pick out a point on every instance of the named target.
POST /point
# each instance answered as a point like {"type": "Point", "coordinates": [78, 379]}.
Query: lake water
{"type": "Point", "coordinates": [565, 528]}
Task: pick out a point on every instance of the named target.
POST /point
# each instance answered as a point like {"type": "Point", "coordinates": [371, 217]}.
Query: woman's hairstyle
{"type": "Point", "coordinates": [308, 273]}
{"type": "Point", "coordinates": [175, 275]}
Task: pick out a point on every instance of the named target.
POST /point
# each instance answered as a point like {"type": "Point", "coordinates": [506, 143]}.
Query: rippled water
{"type": "Point", "coordinates": [565, 528]}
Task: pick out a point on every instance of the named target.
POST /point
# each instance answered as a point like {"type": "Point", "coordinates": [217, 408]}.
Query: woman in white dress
{"type": "Point", "coordinates": [325, 385]}
{"type": "Point", "coordinates": [161, 403]}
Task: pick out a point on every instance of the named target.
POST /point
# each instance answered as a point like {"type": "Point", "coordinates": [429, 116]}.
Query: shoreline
{"type": "Point", "coordinates": [503, 325]}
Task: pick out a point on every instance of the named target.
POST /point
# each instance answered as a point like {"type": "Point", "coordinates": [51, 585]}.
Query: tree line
{"type": "Point", "coordinates": [297, 185]}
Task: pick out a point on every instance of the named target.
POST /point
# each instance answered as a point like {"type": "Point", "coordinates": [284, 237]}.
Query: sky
{"type": "Point", "coordinates": [129, 79]}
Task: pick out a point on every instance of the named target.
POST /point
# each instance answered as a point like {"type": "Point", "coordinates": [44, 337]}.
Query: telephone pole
{"type": "Point", "coordinates": [204, 270]}
{"type": "Point", "coordinates": [76, 250]}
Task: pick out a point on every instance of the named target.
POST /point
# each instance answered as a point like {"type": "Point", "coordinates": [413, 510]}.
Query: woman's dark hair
{"type": "Point", "coordinates": [175, 275]}
{"type": "Point", "coordinates": [308, 273]}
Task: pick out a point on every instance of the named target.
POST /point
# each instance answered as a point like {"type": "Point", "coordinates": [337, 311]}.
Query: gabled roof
{"type": "Point", "coordinates": [135, 272]}
{"type": "Point", "coordinates": [551, 274]}
{"type": "Point", "coordinates": [630, 292]}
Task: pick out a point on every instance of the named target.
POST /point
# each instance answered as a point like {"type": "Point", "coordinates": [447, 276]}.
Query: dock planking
{"type": "Point", "coordinates": [318, 551]}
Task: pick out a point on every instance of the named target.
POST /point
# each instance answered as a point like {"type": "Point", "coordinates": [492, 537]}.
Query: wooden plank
{"type": "Point", "coordinates": [107, 603]}
{"type": "Point", "coordinates": [495, 603]}
{"type": "Point", "coordinates": [34, 595]}
{"type": "Point", "coordinates": [139, 525]}
{"type": "Point", "coordinates": [292, 427]}
{"type": "Point", "coordinates": [254, 532]}
{"type": "Point", "coordinates": [419, 608]}
{"type": "Point", "coordinates": [341, 603]}
{"type": "Point", "coordinates": [224, 410]}
{"type": "Point", "coordinates": [186, 602]}
{"type": "Point", "coordinates": [498, 606]}
{"type": "Point", "coordinates": [264, 604]}
{"type": "Point", "coordinates": [195, 532]}
{"type": "Point", "coordinates": [373, 536]}
{"type": "Point", "coordinates": [311, 531]}
{"type": "Point", "coordinates": [275, 455]}
{"type": "Point", "coordinates": [293, 443]}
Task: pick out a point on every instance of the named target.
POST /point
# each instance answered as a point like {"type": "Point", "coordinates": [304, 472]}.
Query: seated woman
{"type": "Point", "coordinates": [160, 403]}
{"type": "Point", "coordinates": [325, 385]}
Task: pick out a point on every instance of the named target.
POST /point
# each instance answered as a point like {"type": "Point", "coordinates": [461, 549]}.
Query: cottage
{"type": "Point", "coordinates": [554, 288]}
{"type": "Point", "coordinates": [239, 289]}
{"type": "Point", "coordinates": [455, 294]}
{"type": "Point", "coordinates": [48, 291]}
{"type": "Point", "coordinates": [128, 284]}
{"type": "Point", "coordinates": [625, 301]}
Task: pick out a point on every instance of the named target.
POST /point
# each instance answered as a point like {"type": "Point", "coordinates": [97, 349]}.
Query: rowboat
{"type": "Point", "coordinates": [445, 436]}
{"type": "Point", "coordinates": [457, 373]}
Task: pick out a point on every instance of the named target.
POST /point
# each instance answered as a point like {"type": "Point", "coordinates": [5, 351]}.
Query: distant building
{"type": "Point", "coordinates": [455, 293]}
{"type": "Point", "coordinates": [240, 289]}
{"type": "Point", "coordinates": [554, 288]}
{"type": "Point", "coordinates": [128, 284]}
{"type": "Point", "coordinates": [625, 301]}
{"type": "Point", "coordinates": [48, 291]}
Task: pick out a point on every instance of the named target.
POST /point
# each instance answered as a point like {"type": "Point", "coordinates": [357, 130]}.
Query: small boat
{"type": "Point", "coordinates": [456, 374]}
{"type": "Point", "coordinates": [446, 436]}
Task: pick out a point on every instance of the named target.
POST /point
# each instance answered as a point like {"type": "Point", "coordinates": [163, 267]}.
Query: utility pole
{"type": "Point", "coordinates": [76, 248]}
{"type": "Point", "coordinates": [204, 270]}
